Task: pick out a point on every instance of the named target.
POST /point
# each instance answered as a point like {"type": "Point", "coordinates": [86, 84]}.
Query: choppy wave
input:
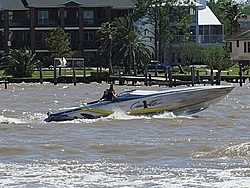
{"type": "Point", "coordinates": [6, 120]}
{"type": "Point", "coordinates": [231, 150]}
{"type": "Point", "coordinates": [104, 174]}
{"type": "Point", "coordinates": [12, 150]}
{"type": "Point", "coordinates": [163, 150]}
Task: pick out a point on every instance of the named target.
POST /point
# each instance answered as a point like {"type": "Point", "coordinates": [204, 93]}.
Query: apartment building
{"type": "Point", "coordinates": [27, 23]}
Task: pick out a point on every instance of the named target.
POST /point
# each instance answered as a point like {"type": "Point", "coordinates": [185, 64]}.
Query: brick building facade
{"type": "Point", "coordinates": [27, 23]}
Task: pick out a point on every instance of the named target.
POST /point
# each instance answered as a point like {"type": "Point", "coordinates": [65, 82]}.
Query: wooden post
{"type": "Point", "coordinates": [97, 74]}
{"type": "Point", "coordinates": [149, 76]}
{"type": "Point", "coordinates": [240, 72]}
{"type": "Point", "coordinates": [192, 75]}
{"type": "Point", "coordinates": [218, 78]}
{"type": "Point", "coordinates": [74, 72]}
{"type": "Point", "coordinates": [41, 75]}
{"type": "Point", "coordinates": [84, 72]}
{"type": "Point", "coordinates": [212, 75]}
{"type": "Point", "coordinates": [60, 72]}
{"type": "Point", "coordinates": [120, 83]}
{"type": "Point", "coordinates": [170, 77]}
{"type": "Point", "coordinates": [55, 79]}
{"type": "Point", "coordinates": [5, 83]}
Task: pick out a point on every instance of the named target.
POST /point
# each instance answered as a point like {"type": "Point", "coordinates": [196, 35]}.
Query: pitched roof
{"type": "Point", "coordinates": [11, 4]}
{"type": "Point", "coordinates": [17, 4]}
{"type": "Point", "coordinates": [207, 17]}
{"type": "Point", "coordinates": [244, 35]}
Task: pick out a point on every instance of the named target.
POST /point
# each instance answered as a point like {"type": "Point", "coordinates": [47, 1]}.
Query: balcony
{"type": "Point", "coordinates": [210, 38]}
{"type": "Point", "coordinates": [21, 23]}
{"type": "Point", "coordinates": [71, 22]}
{"type": "Point", "coordinates": [91, 44]}
{"type": "Point", "coordinates": [47, 22]}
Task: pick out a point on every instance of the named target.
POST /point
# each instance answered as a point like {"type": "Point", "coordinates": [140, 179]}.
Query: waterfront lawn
{"type": "Point", "coordinates": [49, 73]}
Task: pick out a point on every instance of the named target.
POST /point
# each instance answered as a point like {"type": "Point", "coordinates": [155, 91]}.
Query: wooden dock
{"type": "Point", "coordinates": [177, 79]}
{"type": "Point", "coordinates": [167, 80]}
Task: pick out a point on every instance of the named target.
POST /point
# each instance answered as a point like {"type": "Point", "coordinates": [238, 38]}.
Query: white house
{"type": "Point", "coordinates": [205, 30]}
{"type": "Point", "coordinates": [239, 46]}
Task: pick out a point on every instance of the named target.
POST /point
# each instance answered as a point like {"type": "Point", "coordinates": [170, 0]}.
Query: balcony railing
{"type": "Point", "coordinates": [47, 22]}
{"type": "Point", "coordinates": [71, 22]}
{"type": "Point", "coordinates": [23, 23]}
{"type": "Point", "coordinates": [17, 44]}
{"type": "Point", "coordinates": [210, 38]}
{"type": "Point", "coordinates": [203, 38]}
{"type": "Point", "coordinates": [88, 21]}
{"type": "Point", "coordinates": [40, 45]}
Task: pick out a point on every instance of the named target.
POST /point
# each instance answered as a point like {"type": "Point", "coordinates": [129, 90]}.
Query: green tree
{"type": "Point", "coordinates": [58, 44]}
{"type": "Point", "coordinates": [245, 7]}
{"type": "Point", "coordinates": [217, 57]}
{"type": "Point", "coordinates": [189, 51]}
{"type": "Point", "coordinates": [122, 38]}
{"type": "Point", "coordinates": [104, 52]}
{"type": "Point", "coordinates": [228, 12]}
{"type": "Point", "coordinates": [168, 20]}
{"type": "Point", "coordinates": [232, 12]}
{"type": "Point", "coordinates": [140, 9]}
{"type": "Point", "coordinates": [129, 47]}
{"type": "Point", "coordinates": [19, 63]}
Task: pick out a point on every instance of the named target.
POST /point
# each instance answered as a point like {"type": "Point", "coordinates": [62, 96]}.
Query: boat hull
{"type": "Point", "coordinates": [183, 101]}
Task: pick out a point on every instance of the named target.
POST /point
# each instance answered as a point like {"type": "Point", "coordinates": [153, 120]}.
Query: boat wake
{"type": "Point", "coordinates": [6, 120]}
{"type": "Point", "coordinates": [122, 116]}
{"type": "Point", "coordinates": [117, 115]}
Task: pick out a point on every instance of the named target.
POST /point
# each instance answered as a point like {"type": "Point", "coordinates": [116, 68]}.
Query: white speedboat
{"type": "Point", "coordinates": [180, 101]}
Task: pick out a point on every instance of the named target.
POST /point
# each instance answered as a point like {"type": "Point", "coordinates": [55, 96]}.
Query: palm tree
{"type": "Point", "coordinates": [19, 63]}
{"type": "Point", "coordinates": [121, 44]}
{"type": "Point", "coordinates": [231, 14]}
{"type": "Point", "coordinates": [128, 47]}
{"type": "Point", "coordinates": [105, 50]}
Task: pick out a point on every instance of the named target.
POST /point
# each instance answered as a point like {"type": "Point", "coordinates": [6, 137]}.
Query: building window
{"type": "Point", "coordinates": [248, 47]}
{"type": "Point", "coordinates": [192, 14]}
{"type": "Point", "coordinates": [245, 47]}
{"type": "Point", "coordinates": [88, 17]}
{"type": "Point", "coordinates": [237, 44]}
{"type": "Point", "coordinates": [230, 46]}
{"type": "Point", "coordinates": [43, 17]}
{"type": "Point", "coordinates": [89, 36]}
{"type": "Point", "coordinates": [71, 17]}
{"type": "Point", "coordinates": [192, 32]}
{"type": "Point", "coordinates": [192, 11]}
{"type": "Point", "coordinates": [40, 39]}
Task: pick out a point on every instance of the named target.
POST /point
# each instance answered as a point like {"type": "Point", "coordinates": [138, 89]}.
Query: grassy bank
{"type": "Point", "coordinates": [49, 73]}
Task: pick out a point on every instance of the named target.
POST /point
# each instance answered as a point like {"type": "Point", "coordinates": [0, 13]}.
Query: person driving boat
{"type": "Point", "coordinates": [110, 93]}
